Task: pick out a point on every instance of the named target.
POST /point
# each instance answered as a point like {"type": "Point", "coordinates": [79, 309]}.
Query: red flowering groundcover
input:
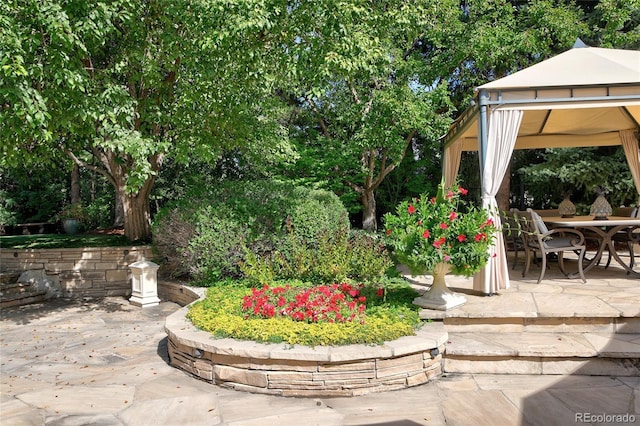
{"type": "Point", "coordinates": [333, 303]}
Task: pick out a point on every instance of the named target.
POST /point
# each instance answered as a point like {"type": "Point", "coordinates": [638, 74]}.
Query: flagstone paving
{"type": "Point", "coordinates": [104, 362]}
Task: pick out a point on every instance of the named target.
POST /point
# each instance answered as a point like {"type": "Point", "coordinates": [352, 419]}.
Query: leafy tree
{"type": "Point", "coordinates": [358, 94]}
{"type": "Point", "coordinates": [120, 86]}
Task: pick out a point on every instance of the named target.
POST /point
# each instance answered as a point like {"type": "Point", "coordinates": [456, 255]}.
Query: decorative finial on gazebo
{"type": "Point", "coordinates": [579, 44]}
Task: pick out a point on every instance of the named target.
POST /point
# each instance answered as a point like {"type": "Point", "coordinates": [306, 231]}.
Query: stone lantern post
{"type": "Point", "coordinates": [144, 284]}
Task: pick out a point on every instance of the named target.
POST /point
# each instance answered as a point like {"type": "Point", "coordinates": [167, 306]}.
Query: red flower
{"type": "Point", "coordinates": [481, 236]}
{"type": "Point", "coordinates": [433, 200]}
{"type": "Point", "coordinates": [450, 194]}
{"type": "Point", "coordinates": [462, 190]}
{"type": "Point", "coordinates": [411, 209]}
{"type": "Point", "coordinates": [439, 242]}
{"type": "Point", "coordinates": [388, 231]}
{"type": "Point", "coordinates": [453, 215]}
{"type": "Point", "coordinates": [426, 234]}
{"type": "Point", "coordinates": [380, 292]}
{"type": "Point", "coordinates": [443, 225]}
{"type": "Point", "coordinates": [462, 238]}
{"type": "Point", "coordinates": [489, 222]}
{"type": "Point", "coordinates": [321, 303]}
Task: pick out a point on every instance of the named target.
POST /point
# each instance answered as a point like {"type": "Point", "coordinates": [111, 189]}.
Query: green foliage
{"type": "Point", "coordinates": [579, 170]}
{"type": "Point", "coordinates": [122, 86]}
{"type": "Point", "coordinates": [99, 212]}
{"type": "Point", "coordinates": [334, 255]}
{"type": "Point", "coordinates": [208, 234]}
{"type": "Point", "coordinates": [615, 23]}
{"type": "Point", "coordinates": [203, 241]}
{"type": "Point", "coordinates": [7, 215]}
{"type": "Point", "coordinates": [221, 314]}
{"type": "Point", "coordinates": [72, 211]}
{"type": "Point", "coordinates": [369, 258]}
{"type": "Point", "coordinates": [317, 211]}
{"type": "Point", "coordinates": [33, 194]}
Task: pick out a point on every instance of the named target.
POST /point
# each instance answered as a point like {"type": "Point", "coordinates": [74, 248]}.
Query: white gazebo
{"type": "Point", "coordinates": [583, 97]}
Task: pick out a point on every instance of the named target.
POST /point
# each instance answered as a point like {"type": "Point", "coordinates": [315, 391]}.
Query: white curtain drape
{"type": "Point", "coordinates": [452, 155]}
{"type": "Point", "coordinates": [631, 151]}
{"type": "Point", "coordinates": [502, 134]}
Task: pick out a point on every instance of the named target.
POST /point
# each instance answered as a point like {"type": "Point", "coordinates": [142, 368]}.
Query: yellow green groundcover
{"type": "Point", "coordinates": [303, 314]}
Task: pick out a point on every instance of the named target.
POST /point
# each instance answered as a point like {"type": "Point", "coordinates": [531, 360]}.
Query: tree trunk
{"type": "Point", "coordinates": [136, 214]}
{"type": "Point", "coordinates": [75, 185]}
{"type": "Point", "coordinates": [369, 221]}
{"type": "Point", "coordinates": [137, 217]}
{"type": "Point", "coordinates": [118, 209]}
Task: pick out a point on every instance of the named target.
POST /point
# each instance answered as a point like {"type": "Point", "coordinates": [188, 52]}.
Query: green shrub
{"type": "Point", "coordinates": [201, 241]}
{"type": "Point", "coordinates": [209, 235]}
{"type": "Point", "coordinates": [369, 259]}
{"type": "Point", "coordinates": [335, 256]}
{"type": "Point", "coordinates": [217, 245]}
{"type": "Point", "coordinates": [315, 212]}
{"type": "Point", "coordinates": [7, 215]}
{"type": "Point", "coordinates": [99, 212]}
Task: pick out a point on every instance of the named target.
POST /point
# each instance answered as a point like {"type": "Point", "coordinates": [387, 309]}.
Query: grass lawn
{"type": "Point", "coordinates": [50, 241]}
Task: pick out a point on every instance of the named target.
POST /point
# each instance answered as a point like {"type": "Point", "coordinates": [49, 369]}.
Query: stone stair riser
{"type": "Point", "coordinates": [543, 325]}
{"type": "Point", "coordinates": [14, 293]}
{"type": "Point", "coordinates": [620, 367]}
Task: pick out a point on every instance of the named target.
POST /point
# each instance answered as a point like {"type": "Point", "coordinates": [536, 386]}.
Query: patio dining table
{"type": "Point", "coordinates": [605, 229]}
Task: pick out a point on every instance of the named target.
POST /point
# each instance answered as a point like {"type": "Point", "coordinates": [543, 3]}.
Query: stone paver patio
{"type": "Point", "coordinates": [104, 363]}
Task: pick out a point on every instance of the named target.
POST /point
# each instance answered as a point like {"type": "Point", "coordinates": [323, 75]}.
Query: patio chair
{"type": "Point", "coordinates": [512, 234]}
{"type": "Point", "coordinates": [630, 237]}
{"type": "Point", "coordinates": [538, 238]}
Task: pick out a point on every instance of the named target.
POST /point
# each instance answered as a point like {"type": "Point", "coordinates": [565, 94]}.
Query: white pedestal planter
{"type": "Point", "coordinates": [439, 297]}
{"type": "Point", "coordinates": [144, 284]}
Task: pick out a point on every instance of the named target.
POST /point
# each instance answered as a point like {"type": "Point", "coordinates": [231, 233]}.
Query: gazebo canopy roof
{"type": "Point", "coordinates": [582, 97]}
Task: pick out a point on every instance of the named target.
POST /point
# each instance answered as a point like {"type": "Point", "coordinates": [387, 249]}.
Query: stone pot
{"type": "Point", "coordinates": [438, 296]}
{"type": "Point", "coordinates": [71, 226]}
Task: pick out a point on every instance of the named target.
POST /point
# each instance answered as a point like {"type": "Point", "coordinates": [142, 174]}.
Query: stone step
{"type": "Point", "coordinates": [18, 294]}
{"type": "Point", "coordinates": [14, 289]}
{"type": "Point", "coordinates": [589, 353]}
{"type": "Point", "coordinates": [9, 277]}
{"type": "Point", "coordinates": [623, 325]}
{"type": "Point", "coordinates": [26, 299]}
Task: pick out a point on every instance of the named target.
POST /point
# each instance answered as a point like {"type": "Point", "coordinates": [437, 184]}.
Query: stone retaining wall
{"type": "Point", "coordinates": [280, 369]}
{"type": "Point", "coordinates": [80, 272]}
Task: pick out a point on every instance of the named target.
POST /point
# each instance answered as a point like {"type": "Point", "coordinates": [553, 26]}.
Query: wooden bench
{"type": "Point", "coordinates": [30, 228]}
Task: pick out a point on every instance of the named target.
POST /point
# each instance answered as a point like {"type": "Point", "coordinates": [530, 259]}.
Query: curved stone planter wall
{"type": "Point", "coordinates": [179, 293]}
{"type": "Point", "coordinates": [280, 369]}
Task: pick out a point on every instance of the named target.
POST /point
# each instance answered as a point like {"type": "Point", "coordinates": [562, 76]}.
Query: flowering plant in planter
{"type": "Point", "coordinates": [444, 229]}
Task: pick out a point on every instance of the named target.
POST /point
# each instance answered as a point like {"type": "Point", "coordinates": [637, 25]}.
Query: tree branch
{"type": "Point", "coordinates": [356, 99]}
{"type": "Point", "coordinates": [353, 186]}
{"type": "Point", "coordinates": [386, 170]}
{"type": "Point", "coordinates": [323, 125]}
{"type": "Point", "coordinates": [88, 166]}
{"type": "Point", "coordinates": [413, 47]}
